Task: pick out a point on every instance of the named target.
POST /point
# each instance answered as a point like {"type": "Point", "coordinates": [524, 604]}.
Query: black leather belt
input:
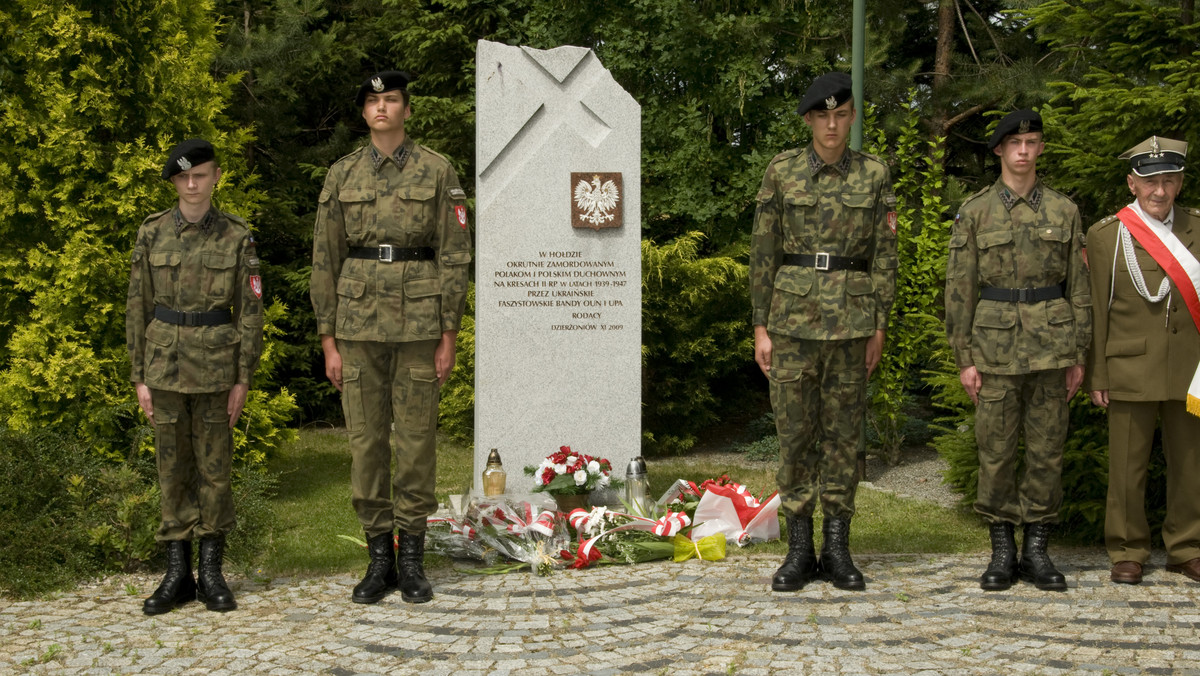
{"type": "Point", "coordinates": [1036, 295]}
{"type": "Point", "coordinates": [209, 318]}
{"type": "Point", "coordinates": [388, 253]}
{"type": "Point", "coordinates": [826, 262]}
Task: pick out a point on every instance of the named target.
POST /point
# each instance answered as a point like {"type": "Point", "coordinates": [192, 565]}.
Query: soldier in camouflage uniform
{"type": "Point", "coordinates": [822, 275]}
{"type": "Point", "coordinates": [1018, 317]}
{"type": "Point", "coordinates": [389, 282]}
{"type": "Point", "coordinates": [193, 324]}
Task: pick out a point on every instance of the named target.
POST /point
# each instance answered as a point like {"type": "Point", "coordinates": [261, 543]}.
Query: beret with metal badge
{"type": "Point", "coordinates": [1016, 122]}
{"type": "Point", "coordinates": [826, 92]}
{"type": "Point", "coordinates": [383, 81]}
{"type": "Point", "coordinates": [186, 155]}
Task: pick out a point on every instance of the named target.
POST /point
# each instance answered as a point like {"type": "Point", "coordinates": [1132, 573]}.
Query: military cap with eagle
{"type": "Point", "coordinates": [186, 155]}
{"type": "Point", "coordinates": [383, 81]}
{"type": "Point", "coordinates": [1156, 155]}
{"type": "Point", "coordinates": [826, 92]}
{"type": "Point", "coordinates": [1016, 122]}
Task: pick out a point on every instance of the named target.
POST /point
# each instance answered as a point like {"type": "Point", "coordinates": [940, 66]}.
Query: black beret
{"type": "Point", "coordinates": [1156, 155]}
{"type": "Point", "coordinates": [383, 81]}
{"type": "Point", "coordinates": [186, 155]}
{"type": "Point", "coordinates": [1017, 122]}
{"type": "Point", "coordinates": [827, 92]}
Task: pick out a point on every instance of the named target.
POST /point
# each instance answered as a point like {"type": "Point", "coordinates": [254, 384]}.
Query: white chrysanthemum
{"type": "Point", "coordinates": [581, 477]}
{"type": "Point", "coordinates": [593, 467]}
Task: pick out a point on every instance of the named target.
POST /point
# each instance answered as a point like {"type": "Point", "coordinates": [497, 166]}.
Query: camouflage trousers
{"type": "Point", "coordinates": [818, 392]}
{"type": "Point", "coordinates": [390, 400]}
{"type": "Point", "coordinates": [194, 451]}
{"type": "Point", "coordinates": [1036, 404]}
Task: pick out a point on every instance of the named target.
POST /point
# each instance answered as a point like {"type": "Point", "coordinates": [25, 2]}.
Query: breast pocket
{"type": "Point", "coordinates": [995, 253]}
{"type": "Point", "coordinates": [164, 272]}
{"type": "Point", "coordinates": [801, 214]}
{"type": "Point", "coordinates": [417, 206]}
{"type": "Point", "coordinates": [219, 271]}
{"type": "Point", "coordinates": [1056, 239]}
{"type": "Point", "coordinates": [358, 209]}
{"type": "Point", "coordinates": [858, 216]}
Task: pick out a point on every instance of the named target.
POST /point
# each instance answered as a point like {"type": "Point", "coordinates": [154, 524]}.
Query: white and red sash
{"type": "Point", "coordinates": [1183, 269]}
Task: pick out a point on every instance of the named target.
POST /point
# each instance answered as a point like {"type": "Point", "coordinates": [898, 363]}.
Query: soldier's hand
{"type": "Point", "coordinates": [1074, 380]}
{"type": "Point", "coordinates": [145, 401]}
{"type": "Point", "coordinates": [762, 349]}
{"type": "Point", "coordinates": [1100, 398]}
{"type": "Point", "coordinates": [874, 351]}
{"type": "Point", "coordinates": [443, 356]}
{"type": "Point", "coordinates": [971, 382]}
{"type": "Point", "coordinates": [333, 361]}
{"type": "Point", "coordinates": [237, 401]}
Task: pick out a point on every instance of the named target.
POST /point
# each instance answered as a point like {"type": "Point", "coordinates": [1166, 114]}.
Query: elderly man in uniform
{"type": "Point", "coordinates": [389, 283]}
{"type": "Point", "coordinates": [1142, 367]}
{"type": "Point", "coordinates": [1018, 318]}
{"type": "Point", "coordinates": [823, 278]}
{"type": "Point", "coordinates": [193, 324]}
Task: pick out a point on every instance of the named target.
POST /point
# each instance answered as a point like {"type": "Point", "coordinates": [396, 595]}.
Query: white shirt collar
{"type": "Point", "coordinates": [1152, 221]}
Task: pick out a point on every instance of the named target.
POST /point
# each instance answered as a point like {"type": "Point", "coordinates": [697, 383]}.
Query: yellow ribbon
{"type": "Point", "coordinates": [710, 548]}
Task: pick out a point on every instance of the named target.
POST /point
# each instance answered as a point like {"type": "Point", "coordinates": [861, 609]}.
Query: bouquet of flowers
{"type": "Point", "coordinates": [569, 473]}
{"type": "Point", "coordinates": [514, 529]}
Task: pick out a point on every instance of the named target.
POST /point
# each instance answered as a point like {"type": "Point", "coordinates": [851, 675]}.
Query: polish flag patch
{"type": "Point", "coordinates": [256, 285]}
{"type": "Point", "coordinates": [461, 212]}
{"type": "Point", "coordinates": [891, 221]}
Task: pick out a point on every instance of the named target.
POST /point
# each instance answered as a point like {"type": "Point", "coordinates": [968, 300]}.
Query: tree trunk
{"type": "Point", "coordinates": [1187, 11]}
{"type": "Point", "coordinates": [941, 65]}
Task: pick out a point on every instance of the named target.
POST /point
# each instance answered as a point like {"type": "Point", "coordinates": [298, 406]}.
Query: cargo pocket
{"type": "Point", "coordinates": [1060, 338]}
{"type": "Point", "coordinates": [422, 309]}
{"type": "Point", "coordinates": [860, 301]}
{"type": "Point", "coordinates": [994, 335]}
{"type": "Point", "coordinates": [157, 358]}
{"type": "Point", "coordinates": [352, 401]}
{"type": "Point", "coordinates": [421, 400]}
{"type": "Point", "coordinates": [351, 312]}
{"type": "Point", "coordinates": [789, 302]}
{"type": "Point", "coordinates": [220, 358]}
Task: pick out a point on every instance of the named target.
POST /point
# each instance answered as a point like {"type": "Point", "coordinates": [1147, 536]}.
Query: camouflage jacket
{"type": "Point", "coordinates": [410, 199]}
{"type": "Point", "coordinates": [806, 207]}
{"type": "Point", "coordinates": [1002, 240]}
{"type": "Point", "coordinates": [211, 265]}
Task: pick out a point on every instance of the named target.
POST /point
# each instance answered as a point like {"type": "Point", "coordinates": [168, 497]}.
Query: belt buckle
{"type": "Point", "coordinates": [385, 253]}
{"type": "Point", "coordinates": [822, 262]}
{"type": "Point", "coordinates": [1025, 295]}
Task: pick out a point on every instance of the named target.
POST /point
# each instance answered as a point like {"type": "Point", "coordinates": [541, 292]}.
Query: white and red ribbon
{"type": "Point", "coordinates": [1183, 269]}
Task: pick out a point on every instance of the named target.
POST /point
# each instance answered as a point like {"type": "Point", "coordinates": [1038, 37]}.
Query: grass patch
{"type": "Point", "coordinates": [312, 507]}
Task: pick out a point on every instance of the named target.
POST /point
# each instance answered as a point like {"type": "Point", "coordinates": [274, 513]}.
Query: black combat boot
{"type": "Point", "coordinates": [1036, 565]}
{"type": "Point", "coordinates": [800, 565]}
{"type": "Point", "coordinates": [381, 571]}
{"type": "Point", "coordinates": [1001, 572]}
{"type": "Point", "coordinates": [211, 587]}
{"type": "Point", "coordinates": [835, 555]}
{"type": "Point", "coordinates": [178, 586]}
{"type": "Point", "coordinates": [414, 588]}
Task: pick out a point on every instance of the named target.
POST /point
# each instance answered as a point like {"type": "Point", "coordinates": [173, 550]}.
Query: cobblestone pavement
{"type": "Point", "coordinates": [920, 614]}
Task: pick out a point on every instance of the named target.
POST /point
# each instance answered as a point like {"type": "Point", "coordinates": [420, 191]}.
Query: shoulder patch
{"type": "Point", "coordinates": [1191, 210]}
{"type": "Point", "coordinates": [457, 194]}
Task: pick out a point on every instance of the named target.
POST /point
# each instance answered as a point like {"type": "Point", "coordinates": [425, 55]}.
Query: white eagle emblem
{"type": "Point", "coordinates": [1155, 150]}
{"type": "Point", "coordinates": [831, 102]}
{"type": "Point", "coordinates": [183, 163]}
{"type": "Point", "coordinates": [377, 84]}
{"type": "Point", "coordinates": [596, 201]}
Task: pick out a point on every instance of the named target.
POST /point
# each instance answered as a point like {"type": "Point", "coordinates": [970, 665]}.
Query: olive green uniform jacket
{"type": "Point", "coordinates": [845, 218]}
{"type": "Point", "coordinates": [420, 206]}
{"type": "Point", "coordinates": [194, 271]}
{"type": "Point", "coordinates": [1002, 240]}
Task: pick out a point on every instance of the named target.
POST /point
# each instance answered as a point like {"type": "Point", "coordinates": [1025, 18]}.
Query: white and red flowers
{"type": "Point", "coordinates": [569, 473]}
